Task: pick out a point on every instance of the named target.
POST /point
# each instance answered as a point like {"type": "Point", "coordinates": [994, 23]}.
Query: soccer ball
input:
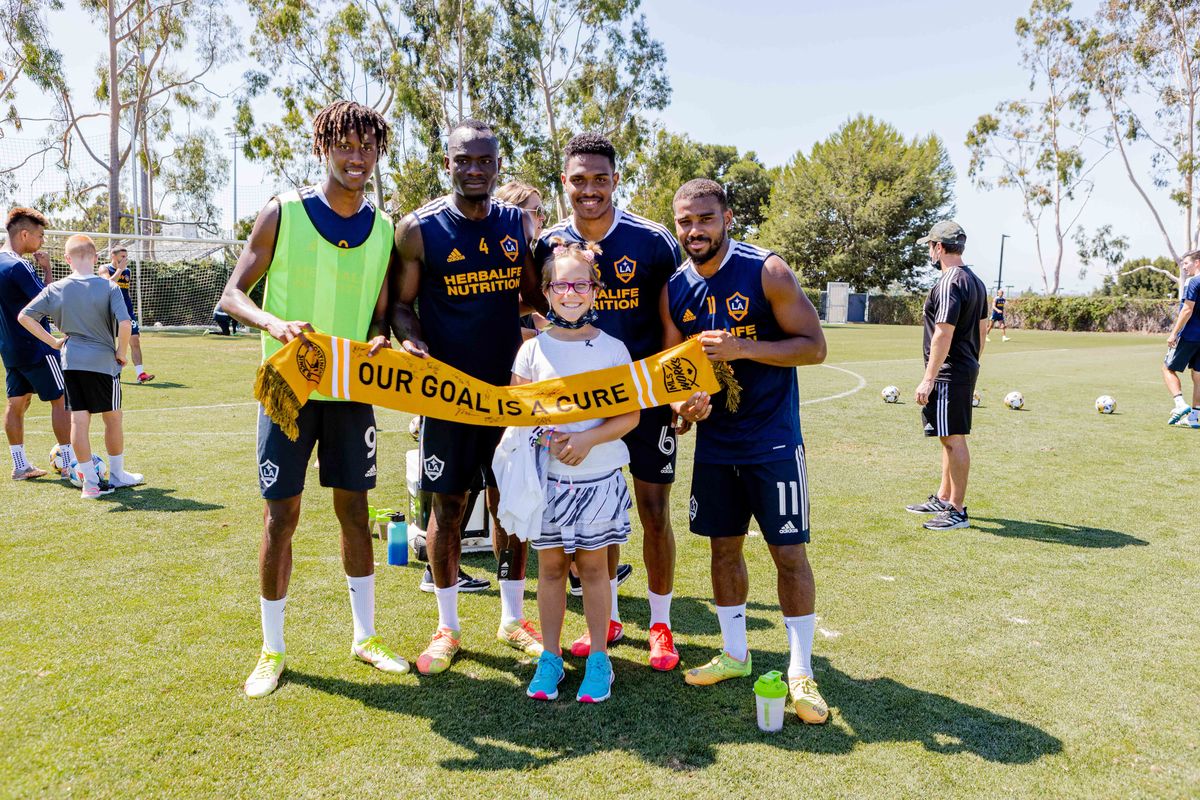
{"type": "Point", "coordinates": [891, 394]}
{"type": "Point", "coordinates": [975, 400]}
{"type": "Point", "coordinates": [56, 460]}
{"type": "Point", "coordinates": [77, 473]}
{"type": "Point", "coordinates": [1014, 400]}
{"type": "Point", "coordinates": [414, 428]}
{"type": "Point", "coordinates": [1105, 404]}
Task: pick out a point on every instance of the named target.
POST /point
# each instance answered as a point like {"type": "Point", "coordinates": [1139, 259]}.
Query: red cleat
{"type": "Point", "coordinates": [663, 655]}
{"type": "Point", "coordinates": [144, 377]}
{"type": "Point", "coordinates": [582, 646]}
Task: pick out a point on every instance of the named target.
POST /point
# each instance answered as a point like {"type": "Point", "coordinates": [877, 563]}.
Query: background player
{"type": "Point", "coordinates": [747, 307]}
{"type": "Point", "coordinates": [1184, 344]}
{"type": "Point", "coordinates": [465, 262]}
{"type": "Point", "coordinates": [30, 365]}
{"type": "Point", "coordinates": [998, 317]}
{"type": "Point", "coordinates": [956, 313]}
{"type": "Point", "coordinates": [118, 272]}
{"type": "Point", "coordinates": [325, 252]}
{"type": "Point", "coordinates": [638, 258]}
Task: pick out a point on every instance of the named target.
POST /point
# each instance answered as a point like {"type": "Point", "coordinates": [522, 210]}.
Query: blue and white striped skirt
{"type": "Point", "coordinates": [585, 513]}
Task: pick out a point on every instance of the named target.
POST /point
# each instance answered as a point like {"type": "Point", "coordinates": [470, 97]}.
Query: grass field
{"type": "Point", "coordinates": [1048, 651]}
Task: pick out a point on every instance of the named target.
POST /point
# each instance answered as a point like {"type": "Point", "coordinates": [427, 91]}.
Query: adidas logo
{"type": "Point", "coordinates": [788, 527]}
{"type": "Point", "coordinates": [455, 256]}
{"type": "Point", "coordinates": [688, 316]}
{"type": "Point", "coordinates": [668, 470]}
{"type": "Point", "coordinates": [928, 426]}
{"type": "Point", "coordinates": [371, 472]}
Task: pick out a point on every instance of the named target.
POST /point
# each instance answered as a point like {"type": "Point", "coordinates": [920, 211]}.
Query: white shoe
{"type": "Point", "coordinates": [1005, 338]}
{"type": "Point", "coordinates": [123, 479]}
{"type": "Point", "coordinates": [265, 677]}
{"type": "Point", "coordinates": [987, 338]}
{"type": "Point", "coordinates": [373, 651]}
{"type": "Point", "coordinates": [1178, 414]}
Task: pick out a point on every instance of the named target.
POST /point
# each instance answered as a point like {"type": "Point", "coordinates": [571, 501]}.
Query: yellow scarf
{"type": "Point", "coordinates": [339, 368]}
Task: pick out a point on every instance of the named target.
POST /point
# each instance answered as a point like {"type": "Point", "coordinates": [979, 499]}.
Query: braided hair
{"type": "Point", "coordinates": [336, 120]}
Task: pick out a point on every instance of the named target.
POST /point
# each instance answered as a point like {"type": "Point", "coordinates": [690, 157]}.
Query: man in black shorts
{"type": "Point", "coordinates": [29, 365]}
{"type": "Point", "coordinates": [465, 263]}
{"type": "Point", "coordinates": [956, 318]}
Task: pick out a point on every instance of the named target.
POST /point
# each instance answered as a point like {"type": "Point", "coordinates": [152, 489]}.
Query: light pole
{"type": "Point", "coordinates": [233, 134]}
{"type": "Point", "coordinates": [1000, 272]}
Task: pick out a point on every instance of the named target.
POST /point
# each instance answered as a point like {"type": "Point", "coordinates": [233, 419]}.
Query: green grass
{"type": "Point", "coordinates": [1048, 651]}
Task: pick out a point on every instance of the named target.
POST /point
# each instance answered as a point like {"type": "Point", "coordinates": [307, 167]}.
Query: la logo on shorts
{"type": "Point", "coordinates": [268, 473]}
{"type": "Point", "coordinates": [692, 508]}
{"type": "Point", "coordinates": [433, 467]}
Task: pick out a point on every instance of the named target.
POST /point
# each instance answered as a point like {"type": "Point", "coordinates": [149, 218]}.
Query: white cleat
{"type": "Point", "coordinates": [373, 651]}
{"type": "Point", "coordinates": [265, 677]}
{"type": "Point", "coordinates": [120, 481]}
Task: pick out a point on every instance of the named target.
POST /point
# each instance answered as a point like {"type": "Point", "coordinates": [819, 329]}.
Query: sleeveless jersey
{"type": "Point", "coordinates": [314, 279]}
{"type": "Point", "coordinates": [999, 303]}
{"type": "Point", "coordinates": [122, 283]}
{"type": "Point", "coordinates": [766, 426]}
{"type": "Point", "coordinates": [639, 256]}
{"type": "Point", "coordinates": [469, 297]}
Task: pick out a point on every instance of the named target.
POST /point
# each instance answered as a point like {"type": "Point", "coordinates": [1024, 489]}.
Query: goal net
{"type": "Point", "coordinates": [174, 281]}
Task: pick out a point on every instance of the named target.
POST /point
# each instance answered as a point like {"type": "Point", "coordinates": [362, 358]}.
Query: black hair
{"type": "Point", "coordinates": [955, 248]}
{"type": "Point", "coordinates": [590, 144]}
{"type": "Point", "coordinates": [702, 187]}
{"type": "Point", "coordinates": [469, 123]}
{"type": "Point", "coordinates": [22, 217]}
{"type": "Point", "coordinates": [335, 120]}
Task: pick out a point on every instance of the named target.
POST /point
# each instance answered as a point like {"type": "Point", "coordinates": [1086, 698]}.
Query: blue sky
{"type": "Point", "coordinates": [776, 77]}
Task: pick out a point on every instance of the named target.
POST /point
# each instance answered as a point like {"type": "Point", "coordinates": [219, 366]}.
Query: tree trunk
{"type": "Point", "coordinates": [114, 127]}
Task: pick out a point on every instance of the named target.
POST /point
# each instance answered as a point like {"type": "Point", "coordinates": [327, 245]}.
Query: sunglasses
{"type": "Point", "coordinates": [579, 287]}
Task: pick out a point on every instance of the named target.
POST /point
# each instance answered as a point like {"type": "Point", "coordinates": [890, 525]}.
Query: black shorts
{"type": "Point", "coordinates": [44, 377]}
{"type": "Point", "coordinates": [725, 496]}
{"type": "Point", "coordinates": [456, 457]}
{"type": "Point", "coordinates": [342, 432]}
{"type": "Point", "coordinates": [93, 392]}
{"type": "Point", "coordinates": [997, 317]}
{"type": "Point", "coordinates": [652, 446]}
{"type": "Point", "coordinates": [1181, 357]}
{"type": "Point", "coordinates": [948, 412]}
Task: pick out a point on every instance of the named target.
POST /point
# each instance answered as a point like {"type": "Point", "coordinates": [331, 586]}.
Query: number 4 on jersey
{"type": "Point", "coordinates": [483, 248]}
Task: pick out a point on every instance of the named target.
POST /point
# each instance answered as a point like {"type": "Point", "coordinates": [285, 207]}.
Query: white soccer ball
{"type": "Point", "coordinates": [975, 400]}
{"type": "Point", "coordinates": [56, 460]}
{"type": "Point", "coordinates": [891, 394]}
{"type": "Point", "coordinates": [1105, 404]}
{"type": "Point", "coordinates": [414, 428]}
{"type": "Point", "coordinates": [1014, 400]}
{"type": "Point", "coordinates": [77, 473]}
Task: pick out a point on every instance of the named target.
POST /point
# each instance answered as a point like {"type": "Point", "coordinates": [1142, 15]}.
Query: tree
{"type": "Point", "coordinates": [1141, 277]}
{"type": "Point", "coordinates": [191, 173]}
{"type": "Point", "coordinates": [1038, 143]}
{"type": "Point", "coordinates": [1143, 62]}
{"type": "Point", "coordinates": [25, 54]}
{"type": "Point", "coordinates": [669, 160]}
{"type": "Point", "coordinates": [853, 208]}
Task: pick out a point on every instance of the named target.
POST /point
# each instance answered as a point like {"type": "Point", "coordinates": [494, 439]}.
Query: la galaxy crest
{"type": "Point", "coordinates": [310, 359]}
{"type": "Point", "coordinates": [738, 306]}
{"type": "Point", "coordinates": [625, 267]}
{"type": "Point", "coordinates": [509, 245]}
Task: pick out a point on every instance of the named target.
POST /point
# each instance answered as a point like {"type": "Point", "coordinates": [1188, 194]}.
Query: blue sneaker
{"type": "Point", "coordinates": [1193, 419]}
{"type": "Point", "coordinates": [597, 680]}
{"type": "Point", "coordinates": [546, 679]}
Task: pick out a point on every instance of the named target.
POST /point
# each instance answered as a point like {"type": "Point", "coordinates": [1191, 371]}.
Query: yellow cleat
{"type": "Point", "coordinates": [810, 706]}
{"type": "Point", "coordinates": [521, 635]}
{"type": "Point", "coordinates": [721, 668]}
{"type": "Point", "coordinates": [373, 651]}
{"type": "Point", "coordinates": [265, 677]}
{"type": "Point", "coordinates": [441, 651]}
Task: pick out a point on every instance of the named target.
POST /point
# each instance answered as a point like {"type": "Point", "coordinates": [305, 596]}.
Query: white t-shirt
{"type": "Point", "coordinates": [544, 357]}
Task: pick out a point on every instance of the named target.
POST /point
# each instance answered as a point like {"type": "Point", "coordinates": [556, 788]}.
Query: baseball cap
{"type": "Point", "coordinates": [947, 232]}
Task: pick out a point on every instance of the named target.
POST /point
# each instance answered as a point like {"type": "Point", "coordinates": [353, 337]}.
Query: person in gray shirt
{"type": "Point", "coordinates": [91, 312]}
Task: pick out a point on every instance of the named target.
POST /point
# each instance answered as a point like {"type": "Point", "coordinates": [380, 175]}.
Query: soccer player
{"type": "Point", "coordinates": [997, 316]}
{"type": "Point", "coordinates": [118, 272]}
{"type": "Point", "coordinates": [956, 314]}
{"type": "Point", "coordinates": [325, 252]}
{"type": "Point", "coordinates": [748, 309]}
{"type": "Point", "coordinates": [1184, 344]}
{"type": "Point", "coordinates": [465, 262]}
{"type": "Point", "coordinates": [90, 311]}
{"type": "Point", "coordinates": [638, 257]}
{"type": "Point", "coordinates": [30, 365]}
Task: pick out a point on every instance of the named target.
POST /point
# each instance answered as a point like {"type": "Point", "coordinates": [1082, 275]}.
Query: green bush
{"type": "Point", "coordinates": [1091, 314]}
{"type": "Point", "coordinates": [901, 309]}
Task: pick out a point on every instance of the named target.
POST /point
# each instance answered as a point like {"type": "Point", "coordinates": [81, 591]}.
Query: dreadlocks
{"type": "Point", "coordinates": [335, 120]}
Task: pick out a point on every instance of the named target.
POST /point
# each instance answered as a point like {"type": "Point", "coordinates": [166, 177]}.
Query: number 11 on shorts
{"type": "Point", "coordinates": [784, 488]}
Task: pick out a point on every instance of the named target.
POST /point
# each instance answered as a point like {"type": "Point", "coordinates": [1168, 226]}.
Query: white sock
{"type": "Point", "coordinates": [800, 639]}
{"type": "Point", "coordinates": [660, 608]}
{"type": "Point", "coordinates": [512, 601]}
{"type": "Point", "coordinates": [362, 605]}
{"type": "Point", "coordinates": [733, 630]}
{"type": "Point", "coordinates": [1179, 403]}
{"type": "Point", "coordinates": [138, 369]}
{"type": "Point", "coordinates": [447, 600]}
{"type": "Point", "coordinates": [272, 623]}
{"type": "Point", "coordinates": [90, 476]}
{"type": "Point", "coordinates": [116, 464]}
{"type": "Point", "coordinates": [18, 456]}
{"type": "Point", "coordinates": [614, 614]}
{"type": "Point", "coordinates": [65, 454]}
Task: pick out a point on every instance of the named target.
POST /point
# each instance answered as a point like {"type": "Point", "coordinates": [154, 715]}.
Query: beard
{"type": "Point", "coordinates": [707, 255]}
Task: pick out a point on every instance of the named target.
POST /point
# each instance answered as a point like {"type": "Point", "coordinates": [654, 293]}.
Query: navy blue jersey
{"type": "Point", "coordinates": [1191, 291]}
{"type": "Point", "coordinates": [999, 303]}
{"type": "Point", "coordinates": [469, 297]}
{"type": "Point", "coordinates": [122, 282]}
{"type": "Point", "coordinates": [341, 231]}
{"type": "Point", "coordinates": [766, 426]}
{"type": "Point", "coordinates": [19, 283]}
{"type": "Point", "coordinates": [639, 256]}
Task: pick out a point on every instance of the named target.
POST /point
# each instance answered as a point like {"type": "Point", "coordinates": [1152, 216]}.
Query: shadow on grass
{"type": "Point", "coordinates": [502, 729]}
{"type": "Point", "coordinates": [153, 498]}
{"type": "Point", "coordinates": [1040, 530]}
{"type": "Point", "coordinates": [156, 384]}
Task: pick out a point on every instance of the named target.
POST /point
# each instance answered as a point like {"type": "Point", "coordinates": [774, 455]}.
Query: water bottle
{"type": "Point", "coordinates": [397, 541]}
{"type": "Point", "coordinates": [770, 698]}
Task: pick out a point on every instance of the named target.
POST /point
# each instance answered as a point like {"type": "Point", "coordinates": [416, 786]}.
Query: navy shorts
{"type": "Point", "coordinates": [134, 328]}
{"type": "Point", "coordinates": [93, 392]}
{"type": "Point", "coordinates": [726, 496]}
{"type": "Point", "coordinates": [43, 377]}
{"type": "Point", "coordinates": [652, 446]}
{"type": "Point", "coordinates": [997, 317]}
{"type": "Point", "coordinates": [456, 457]}
{"type": "Point", "coordinates": [948, 412]}
{"type": "Point", "coordinates": [1181, 357]}
{"type": "Point", "coordinates": [344, 436]}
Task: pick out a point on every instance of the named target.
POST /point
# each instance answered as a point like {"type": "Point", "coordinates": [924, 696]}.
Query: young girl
{"type": "Point", "coordinates": [587, 501]}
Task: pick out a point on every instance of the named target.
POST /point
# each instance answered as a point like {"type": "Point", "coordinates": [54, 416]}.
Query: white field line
{"type": "Point", "coordinates": [862, 382]}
